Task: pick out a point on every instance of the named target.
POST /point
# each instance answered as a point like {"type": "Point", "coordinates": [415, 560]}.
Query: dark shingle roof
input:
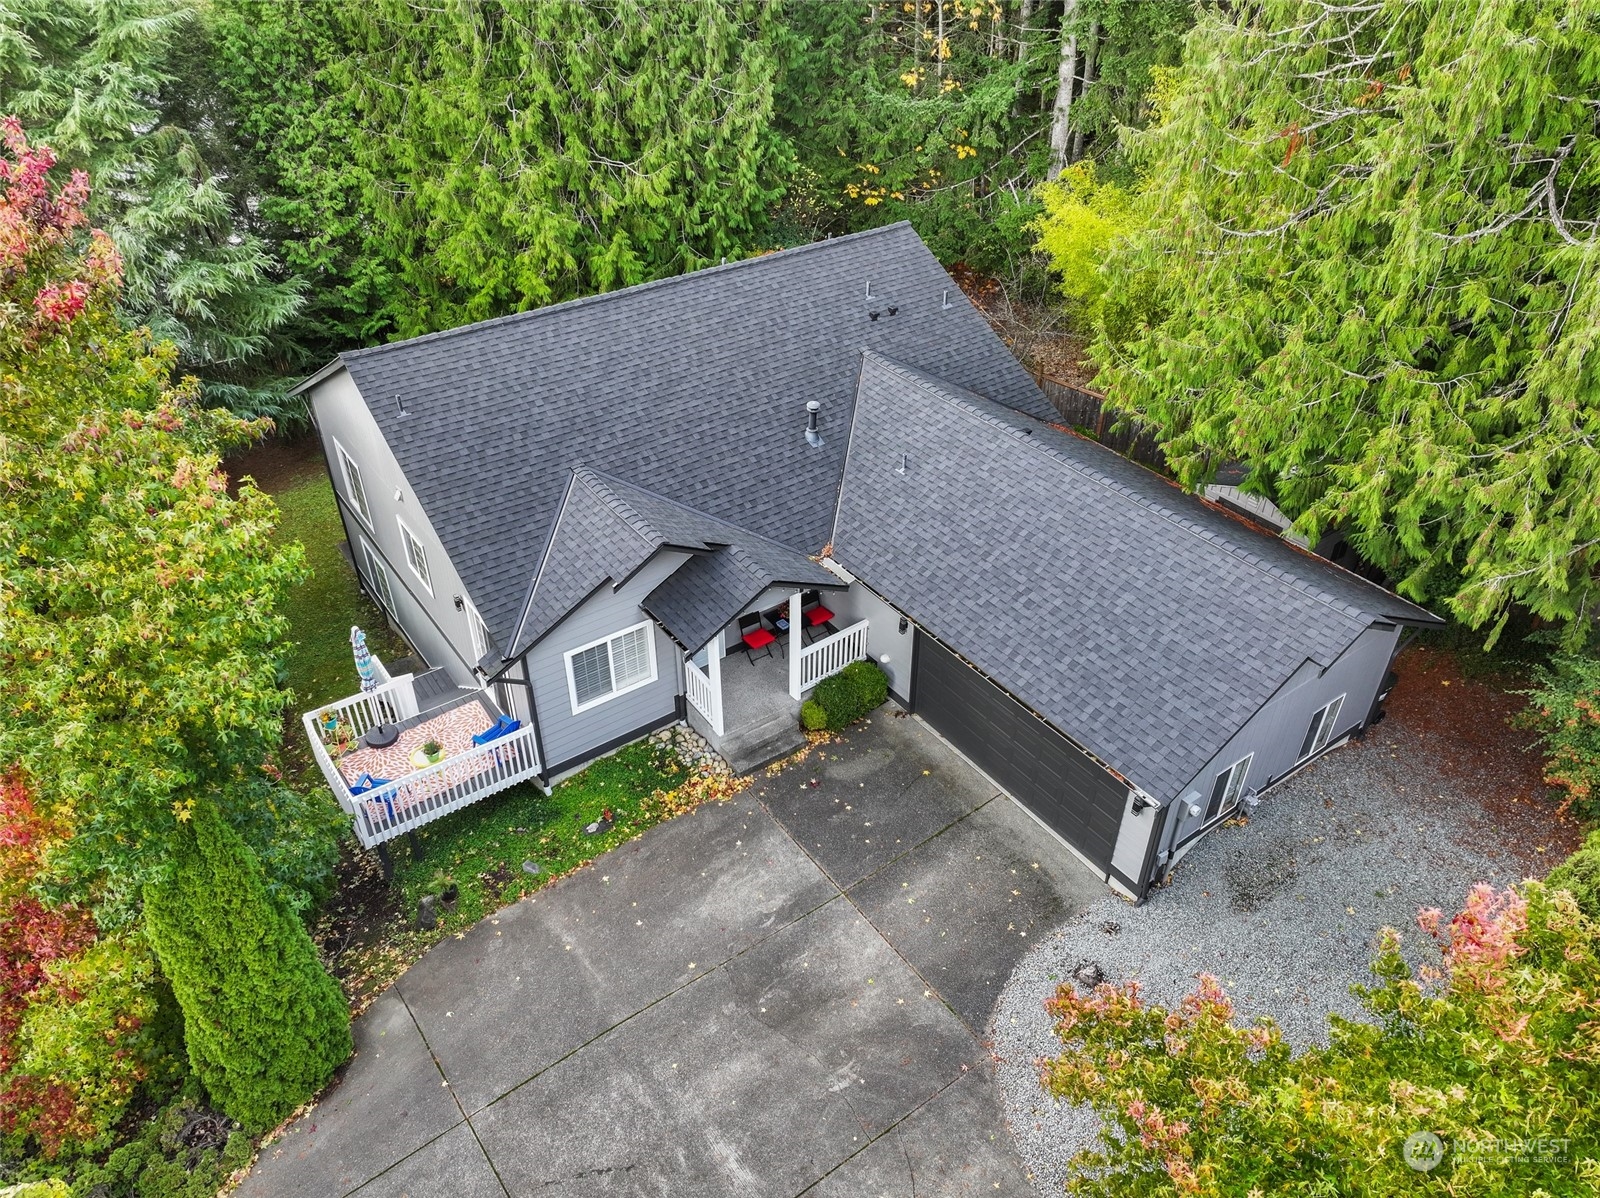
{"type": "Point", "coordinates": [694, 387]}
{"type": "Point", "coordinates": [703, 594]}
{"type": "Point", "coordinates": [1144, 624]}
{"type": "Point", "coordinates": [606, 529]}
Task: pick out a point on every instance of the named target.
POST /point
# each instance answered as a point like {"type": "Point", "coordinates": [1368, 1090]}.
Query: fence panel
{"type": "Point", "coordinates": [1088, 412]}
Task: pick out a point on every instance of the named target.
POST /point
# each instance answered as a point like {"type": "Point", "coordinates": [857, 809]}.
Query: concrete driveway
{"type": "Point", "coordinates": [779, 995]}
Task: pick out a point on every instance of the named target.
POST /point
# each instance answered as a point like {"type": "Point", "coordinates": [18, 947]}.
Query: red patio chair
{"type": "Point", "coordinates": [754, 636]}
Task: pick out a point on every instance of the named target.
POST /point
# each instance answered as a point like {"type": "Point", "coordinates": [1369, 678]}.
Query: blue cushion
{"type": "Point", "coordinates": [503, 726]}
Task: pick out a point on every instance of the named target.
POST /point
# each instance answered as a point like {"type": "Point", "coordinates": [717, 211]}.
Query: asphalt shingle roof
{"type": "Point", "coordinates": [607, 528]}
{"type": "Point", "coordinates": [1141, 622]}
{"type": "Point", "coordinates": [693, 387]}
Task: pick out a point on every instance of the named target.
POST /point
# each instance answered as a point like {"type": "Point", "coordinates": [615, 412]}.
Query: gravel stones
{"type": "Point", "coordinates": [1283, 908]}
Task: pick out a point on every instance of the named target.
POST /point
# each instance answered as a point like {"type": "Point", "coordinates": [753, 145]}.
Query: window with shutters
{"type": "Point", "coordinates": [622, 662]}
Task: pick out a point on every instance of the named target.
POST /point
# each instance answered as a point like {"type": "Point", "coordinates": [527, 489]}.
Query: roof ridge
{"type": "Point", "coordinates": [937, 387]}
{"type": "Point", "coordinates": [747, 533]}
{"type": "Point", "coordinates": [600, 296]}
{"type": "Point", "coordinates": [597, 481]}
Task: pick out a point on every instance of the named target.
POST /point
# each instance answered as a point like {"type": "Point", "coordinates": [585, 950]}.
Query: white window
{"type": "Point", "coordinates": [416, 556]}
{"type": "Point", "coordinates": [478, 630]}
{"type": "Point", "coordinates": [1321, 730]}
{"type": "Point", "coordinates": [622, 662]}
{"type": "Point", "coordinates": [1227, 789]}
{"type": "Point", "coordinates": [378, 577]}
{"type": "Point", "coordinates": [352, 483]}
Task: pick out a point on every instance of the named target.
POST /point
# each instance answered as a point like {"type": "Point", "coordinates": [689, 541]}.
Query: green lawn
{"type": "Point", "coordinates": [482, 849]}
{"type": "Point", "coordinates": [322, 609]}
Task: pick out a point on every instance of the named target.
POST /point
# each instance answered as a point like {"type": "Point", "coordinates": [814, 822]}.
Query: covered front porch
{"type": "Point", "coordinates": [395, 763]}
{"type": "Point", "coordinates": [745, 685]}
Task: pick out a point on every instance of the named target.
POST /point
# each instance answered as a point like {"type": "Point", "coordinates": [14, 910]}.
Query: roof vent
{"type": "Point", "coordinates": [947, 304]}
{"type": "Point", "coordinates": [893, 309]}
{"type": "Point", "coordinates": [905, 462]}
{"type": "Point", "coordinates": [400, 402]}
{"type": "Point", "coordinates": [813, 437]}
{"type": "Point", "coordinates": [872, 315]}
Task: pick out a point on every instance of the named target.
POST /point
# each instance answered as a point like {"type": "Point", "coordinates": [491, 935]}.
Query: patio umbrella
{"type": "Point", "coordinates": [366, 665]}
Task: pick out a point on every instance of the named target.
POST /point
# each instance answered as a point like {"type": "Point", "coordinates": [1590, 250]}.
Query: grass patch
{"type": "Point", "coordinates": [482, 847]}
{"type": "Point", "coordinates": [319, 666]}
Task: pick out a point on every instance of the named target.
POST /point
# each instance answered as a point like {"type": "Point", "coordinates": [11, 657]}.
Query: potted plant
{"type": "Point", "coordinates": [430, 752]}
{"type": "Point", "coordinates": [444, 885]}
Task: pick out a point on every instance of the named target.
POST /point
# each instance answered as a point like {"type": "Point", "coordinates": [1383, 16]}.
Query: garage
{"type": "Point", "coordinates": [1038, 766]}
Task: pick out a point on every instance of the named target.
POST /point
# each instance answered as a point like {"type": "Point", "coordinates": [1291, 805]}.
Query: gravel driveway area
{"type": "Point", "coordinates": [1283, 908]}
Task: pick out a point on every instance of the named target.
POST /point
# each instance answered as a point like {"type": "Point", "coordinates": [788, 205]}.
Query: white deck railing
{"type": "Point", "coordinates": [828, 656]}
{"type": "Point", "coordinates": [420, 798]}
{"type": "Point", "coordinates": [704, 694]}
{"type": "Point", "coordinates": [425, 795]}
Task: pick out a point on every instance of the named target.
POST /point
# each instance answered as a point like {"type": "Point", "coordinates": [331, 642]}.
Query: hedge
{"type": "Point", "coordinates": [850, 694]}
{"type": "Point", "coordinates": [264, 1024]}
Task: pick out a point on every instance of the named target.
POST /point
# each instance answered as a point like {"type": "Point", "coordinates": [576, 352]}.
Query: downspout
{"type": "Point", "coordinates": [1150, 853]}
{"type": "Point", "coordinates": [526, 682]}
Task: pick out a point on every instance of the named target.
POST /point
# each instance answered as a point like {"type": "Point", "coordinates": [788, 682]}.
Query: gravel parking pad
{"type": "Point", "coordinates": [1284, 909]}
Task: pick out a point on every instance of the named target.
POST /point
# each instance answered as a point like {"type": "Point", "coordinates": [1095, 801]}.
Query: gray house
{"type": "Point", "coordinates": [696, 498]}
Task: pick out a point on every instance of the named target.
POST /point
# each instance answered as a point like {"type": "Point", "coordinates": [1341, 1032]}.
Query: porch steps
{"type": "Point", "coordinates": [747, 749]}
{"type": "Point", "coordinates": [435, 689]}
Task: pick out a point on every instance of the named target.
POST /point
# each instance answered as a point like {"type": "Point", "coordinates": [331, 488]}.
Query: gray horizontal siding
{"type": "Point", "coordinates": [567, 736]}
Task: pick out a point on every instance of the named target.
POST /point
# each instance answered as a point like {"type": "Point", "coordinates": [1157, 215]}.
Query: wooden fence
{"type": "Point", "coordinates": [1089, 413]}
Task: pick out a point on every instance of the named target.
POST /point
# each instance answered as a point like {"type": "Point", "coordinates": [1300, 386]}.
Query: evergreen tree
{"type": "Point", "coordinates": [264, 1025]}
{"type": "Point", "coordinates": [502, 156]}
{"type": "Point", "coordinates": [1365, 262]}
{"type": "Point", "coordinates": [123, 89]}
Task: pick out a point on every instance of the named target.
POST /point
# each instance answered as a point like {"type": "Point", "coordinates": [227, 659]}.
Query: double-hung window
{"type": "Point", "coordinates": [378, 576]}
{"type": "Point", "coordinates": [479, 631]}
{"type": "Point", "coordinates": [1228, 788]}
{"type": "Point", "coordinates": [416, 556]}
{"type": "Point", "coordinates": [1321, 730]}
{"type": "Point", "coordinates": [604, 669]}
{"type": "Point", "coordinates": [352, 484]}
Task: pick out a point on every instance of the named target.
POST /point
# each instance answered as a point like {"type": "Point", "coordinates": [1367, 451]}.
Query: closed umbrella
{"type": "Point", "coordinates": [366, 665]}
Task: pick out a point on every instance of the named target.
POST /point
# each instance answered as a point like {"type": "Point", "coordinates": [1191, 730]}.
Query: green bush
{"type": "Point", "coordinates": [37, 1189]}
{"type": "Point", "coordinates": [1580, 873]}
{"type": "Point", "coordinates": [813, 717]}
{"type": "Point", "coordinates": [184, 1152]}
{"type": "Point", "coordinates": [848, 695]}
{"type": "Point", "coordinates": [1564, 708]}
{"type": "Point", "coordinates": [264, 1024]}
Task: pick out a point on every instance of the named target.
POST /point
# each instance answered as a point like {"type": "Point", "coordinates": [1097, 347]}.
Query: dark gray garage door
{"type": "Point", "coordinates": [1035, 763]}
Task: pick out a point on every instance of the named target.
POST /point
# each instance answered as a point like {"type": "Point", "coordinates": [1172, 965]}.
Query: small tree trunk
{"type": "Point", "coordinates": [1088, 81]}
{"type": "Point", "coordinates": [1023, 18]}
{"type": "Point", "coordinates": [1066, 76]}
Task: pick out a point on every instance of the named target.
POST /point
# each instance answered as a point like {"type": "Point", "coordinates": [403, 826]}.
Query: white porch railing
{"type": "Point", "coordinates": [387, 705]}
{"type": "Point", "coordinates": [831, 654]}
{"type": "Point", "coordinates": [705, 694]}
{"type": "Point", "coordinates": [420, 798]}
{"type": "Point", "coordinates": [425, 795]}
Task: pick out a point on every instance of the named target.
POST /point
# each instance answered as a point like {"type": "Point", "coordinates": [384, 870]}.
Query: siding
{"type": "Point", "coordinates": [569, 737]}
{"type": "Point", "coordinates": [430, 622]}
{"type": "Point", "coordinates": [1274, 734]}
{"type": "Point", "coordinates": [884, 638]}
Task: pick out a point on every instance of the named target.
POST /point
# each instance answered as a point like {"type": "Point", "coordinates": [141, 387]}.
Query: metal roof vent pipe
{"type": "Point", "coordinates": [813, 437]}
